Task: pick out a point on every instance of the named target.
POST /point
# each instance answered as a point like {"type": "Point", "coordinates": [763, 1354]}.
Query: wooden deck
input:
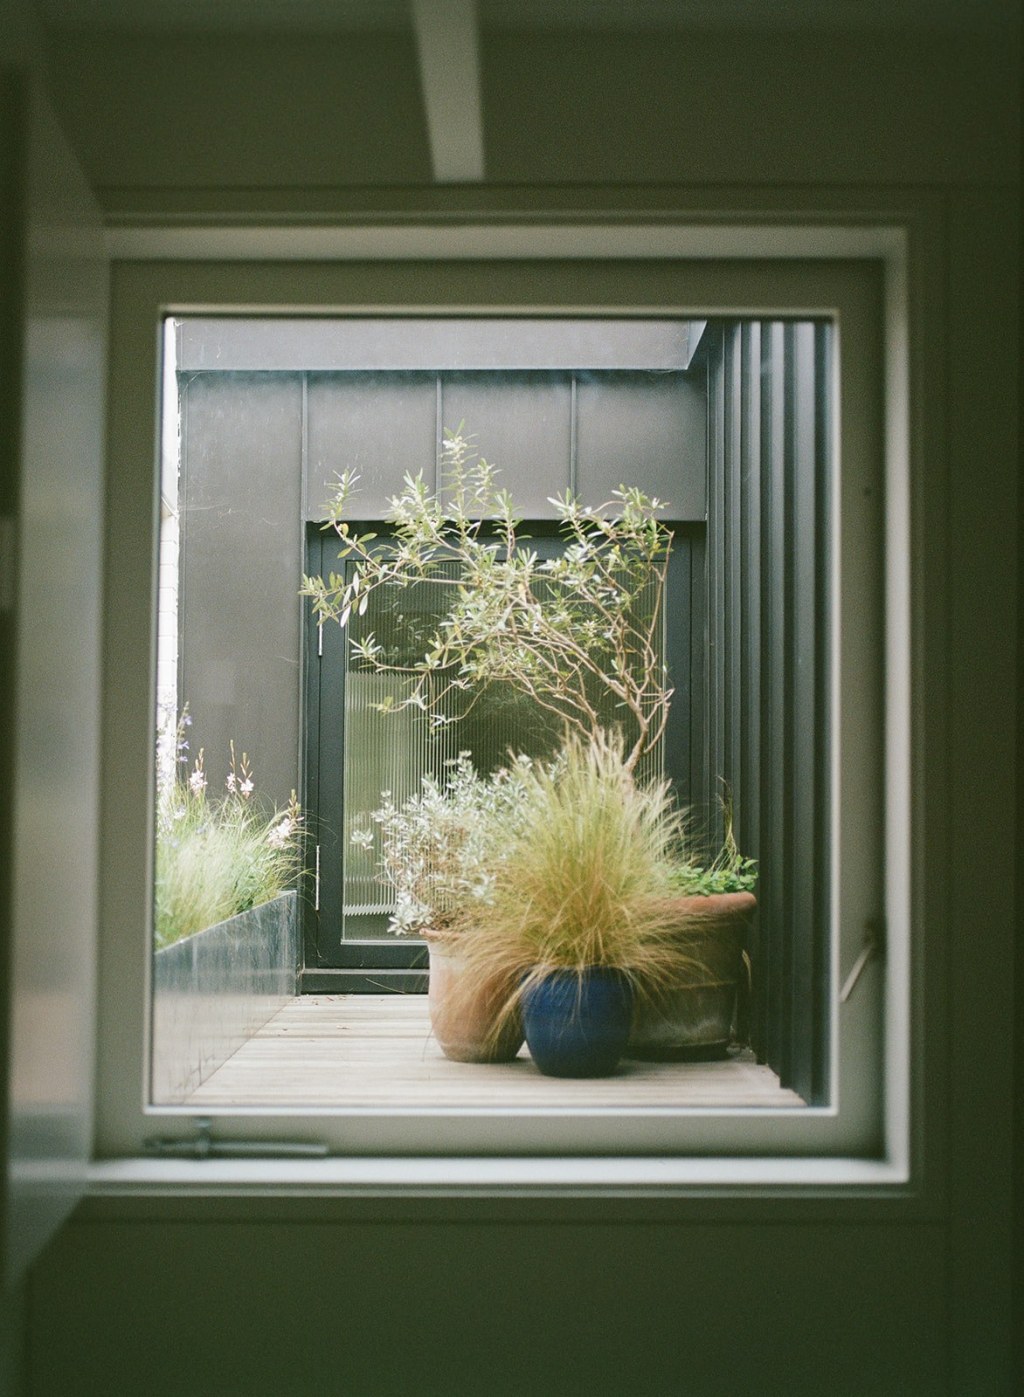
{"type": "Point", "coordinates": [377, 1051]}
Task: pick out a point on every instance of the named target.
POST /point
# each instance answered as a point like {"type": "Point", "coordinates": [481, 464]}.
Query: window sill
{"type": "Point", "coordinates": [446, 1177]}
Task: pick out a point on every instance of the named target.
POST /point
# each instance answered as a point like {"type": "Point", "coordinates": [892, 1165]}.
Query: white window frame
{"type": "Point", "coordinates": [729, 268]}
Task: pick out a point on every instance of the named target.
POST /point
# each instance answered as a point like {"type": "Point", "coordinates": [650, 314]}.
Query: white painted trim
{"type": "Point", "coordinates": [453, 1177]}
{"type": "Point", "coordinates": [571, 241]}
{"type": "Point", "coordinates": [883, 242]}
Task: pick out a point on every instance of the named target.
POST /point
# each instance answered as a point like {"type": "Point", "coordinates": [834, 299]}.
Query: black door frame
{"type": "Point", "coordinates": [334, 964]}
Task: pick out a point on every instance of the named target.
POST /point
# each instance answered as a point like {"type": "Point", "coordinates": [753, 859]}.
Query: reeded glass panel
{"type": "Point", "coordinates": [389, 753]}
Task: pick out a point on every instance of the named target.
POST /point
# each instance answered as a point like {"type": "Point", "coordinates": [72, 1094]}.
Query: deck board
{"type": "Point", "coordinates": [377, 1051]}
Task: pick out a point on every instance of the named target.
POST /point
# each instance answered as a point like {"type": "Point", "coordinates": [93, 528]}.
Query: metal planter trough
{"type": "Point", "coordinates": [212, 991]}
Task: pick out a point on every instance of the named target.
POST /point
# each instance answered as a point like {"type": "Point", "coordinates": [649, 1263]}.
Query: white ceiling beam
{"type": "Point", "coordinates": [447, 41]}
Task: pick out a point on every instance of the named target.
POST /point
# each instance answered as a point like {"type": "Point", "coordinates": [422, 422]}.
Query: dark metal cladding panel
{"type": "Point", "coordinates": [698, 672]}
{"type": "Point", "coordinates": [649, 427]}
{"type": "Point", "coordinates": [522, 425]}
{"type": "Point", "coordinates": [241, 546]}
{"type": "Point", "coordinates": [718, 562]}
{"type": "Point", "coordinates": [315, 552]}
{"type": "Point", "coordinates": [732, 569]}
{"type": "Point", "coordinates": [747, 791]}
{"type": "Point", "coordinates": [748, 828]}
{"type": "Point", "coordinates": [821, 986]}
{"type": "Point", "coordinates": [766, 681]}
{"type": "Point", "coordinates": [774, 639]}
{"type": "Point", "coordinates": [714, 674]}
{"type": "Point", "coordinates": [681, 620]}
{"type": "Point", "coordinates": [329, 815]}
{"type": "Point", "coordinates": [335, 980]}
{"type": "Point", "coordinates": [382, 426]}
{"type": "Point", "coordinates": [807, 935]}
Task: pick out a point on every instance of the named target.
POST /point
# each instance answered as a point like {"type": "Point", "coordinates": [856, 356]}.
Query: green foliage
{"type": "Point", "coordinates": [721, 876]}
{"type": "Point", "coordinates": [560, 630]}
{"type": "Point", "coordinates": [216, 856]}
{"type": "Point", "coordinates": [438, 850]}
{"type": "Point", "coordinates": [728, 872]}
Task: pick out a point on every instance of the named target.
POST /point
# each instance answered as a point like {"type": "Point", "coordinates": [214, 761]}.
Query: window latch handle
{"type": "Point", "coordinates": [203, 1146]}
{"type": "Point", "coordinates": [874, 945]}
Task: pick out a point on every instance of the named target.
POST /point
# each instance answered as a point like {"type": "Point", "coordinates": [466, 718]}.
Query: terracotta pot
{"type": "Point", "coordinates": [463, 1015]}
{"type": "Point", "coordinates": [696, 1019]}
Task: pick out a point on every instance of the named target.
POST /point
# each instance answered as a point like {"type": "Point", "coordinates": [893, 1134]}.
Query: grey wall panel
{"type": "Point", "coordinates": [212, 991]}
{"type": "Point", "coordinates": [649, 428]}
{"type": "Point", "coordinates": [241, 552]}
{"type": "Point", "coordinates": [522, 424]}
{"type": "Point", "coordinates": [380, 425]}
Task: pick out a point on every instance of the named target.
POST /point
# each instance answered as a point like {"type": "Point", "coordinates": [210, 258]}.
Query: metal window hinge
{"type": "Point", "coordinates": [874, 945]}
{"type": "Point", "coordinates": [203, 1146]}
{"type": "Point", "coordinates": [316, 882]}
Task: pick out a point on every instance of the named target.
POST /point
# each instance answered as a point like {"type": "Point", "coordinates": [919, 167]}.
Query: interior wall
{"type": "Point", "coordinates": [490, 1308]}
{"type": "Point", "coordinates": [164, 116]}
{"type": "Point", "coordinates": [144, 1298]}
{"type": "Point", "coordinates": [179, 112]}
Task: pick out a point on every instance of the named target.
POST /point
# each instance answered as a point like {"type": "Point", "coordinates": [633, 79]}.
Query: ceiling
{"type": "Point", "coordinates": [657, 16]}
{"type": "Point", "coordinates": [451, 36]}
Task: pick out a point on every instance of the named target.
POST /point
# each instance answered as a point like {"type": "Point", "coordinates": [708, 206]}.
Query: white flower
{"type": "Point", "coordinates": [246, 787]}
{"type": "Point", "coordinates": [280, 834]}
{"type": "Point", "coordinates": [232, 782]}
{"type": "Point", "coordinates": [483, 888]}
{"type": "Point", "coordinates": [197, 782]}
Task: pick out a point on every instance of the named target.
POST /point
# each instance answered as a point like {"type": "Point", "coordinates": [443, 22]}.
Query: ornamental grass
{"type": "Point", "coordinates": [216, 855]}
{"type": "Point", "coordinates": [586, 878]}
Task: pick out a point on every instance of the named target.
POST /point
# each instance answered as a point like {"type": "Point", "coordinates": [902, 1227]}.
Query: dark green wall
{"type": "Point", "coordinates": [488, 1309]}
{"type": "Point", "coordinates": [215, 113]}
{"type": "Point", "coordinates": [149, 1301]}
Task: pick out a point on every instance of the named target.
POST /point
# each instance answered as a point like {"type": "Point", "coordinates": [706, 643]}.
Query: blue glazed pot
{"type": "Point", "coordinates": [578, 1025]}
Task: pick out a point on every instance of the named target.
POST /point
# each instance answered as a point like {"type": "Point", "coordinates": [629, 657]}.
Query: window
{"type": "Point", "coordinates": [753, 309]}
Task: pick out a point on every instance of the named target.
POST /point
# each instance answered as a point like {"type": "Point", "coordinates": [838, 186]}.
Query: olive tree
{"type": "Point", "coordinates": [578, 634]}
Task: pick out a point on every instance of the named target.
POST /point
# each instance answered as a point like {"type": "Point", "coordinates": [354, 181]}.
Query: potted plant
{"type": "Point", "coordinates": [579, 636]}
{"type": "Point", "coordinates": [579, 918]}
{"type": "Point", "coordinates": [698, 1013]}
{"type": "Point", "coordinates": [438, 851]}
